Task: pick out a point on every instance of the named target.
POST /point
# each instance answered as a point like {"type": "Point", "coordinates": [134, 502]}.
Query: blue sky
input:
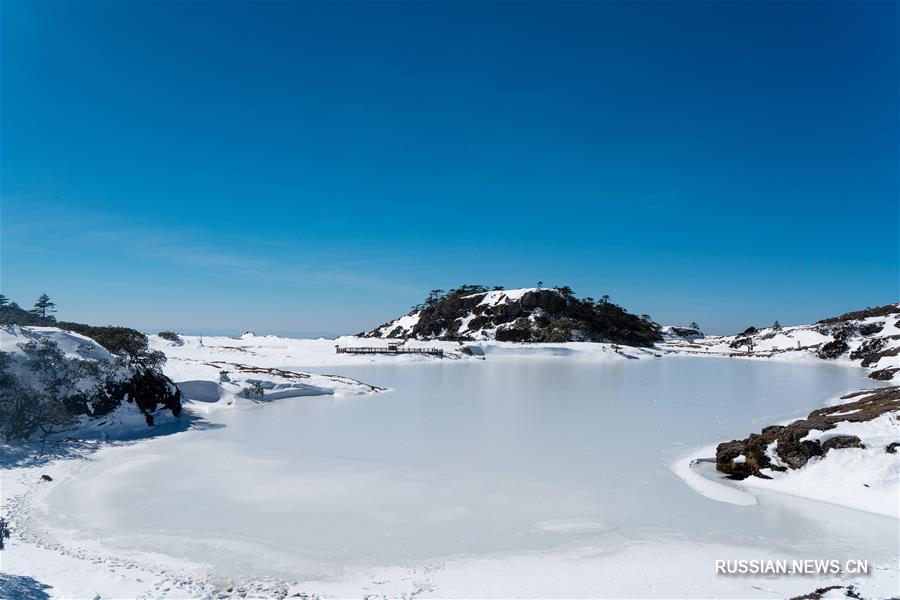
{"type": "Point", "coordinates": [317, 167]}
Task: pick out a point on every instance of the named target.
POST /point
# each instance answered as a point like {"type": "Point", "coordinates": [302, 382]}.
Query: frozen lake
{"type": "Point", "coordinates": [464, 458]}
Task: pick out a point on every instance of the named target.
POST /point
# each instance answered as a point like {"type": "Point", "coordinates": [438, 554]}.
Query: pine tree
{"type": "Point", "coordinates": [695, 326]}
{"type": "Point", "coordinates": [4, 533]}
{"type": "Point", "coordinates": [44, 307]}
{"type": "Point", "coordinates": [3, 300]}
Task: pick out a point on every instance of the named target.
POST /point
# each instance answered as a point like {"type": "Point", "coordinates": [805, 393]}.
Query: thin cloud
{"type": "Point", "coordinates": [155, 244]}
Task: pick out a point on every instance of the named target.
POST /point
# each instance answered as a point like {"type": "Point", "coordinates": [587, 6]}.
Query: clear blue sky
{"type": "Point", "coordinates": [318, 167]}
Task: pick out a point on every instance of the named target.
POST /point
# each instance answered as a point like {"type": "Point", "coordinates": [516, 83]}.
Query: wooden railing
{"type": "Point", "coordinates": [387, 350]}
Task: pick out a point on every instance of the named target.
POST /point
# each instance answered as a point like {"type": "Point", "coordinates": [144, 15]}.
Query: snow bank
{"type": "Point", "coordinates": [219, 371]}
{"type": "Point", "coordinates": [688, 468]}
{"type": "Point", "coordinates": [617, 567]}
{"type": "Point", "coordinates": [866, 478]}
{"type": "Point", "coordinates": [862, 478]}
{"type": "Point", "coordinates": [201, 358]}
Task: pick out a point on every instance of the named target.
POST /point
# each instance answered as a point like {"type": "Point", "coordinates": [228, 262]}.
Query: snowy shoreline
{"type": "Point", "coordinates": [616, 565]}
{"type": "Point", "coordinates": [829, 479]}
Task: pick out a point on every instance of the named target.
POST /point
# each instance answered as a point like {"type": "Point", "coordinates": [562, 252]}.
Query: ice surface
{"type": "Point", "coordinates": [473, 459]}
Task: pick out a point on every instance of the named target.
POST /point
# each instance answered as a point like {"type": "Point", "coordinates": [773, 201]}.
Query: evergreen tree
{"type": "Point", "coordinates": [44, 307]}
{"type": "Point", "coordinates": [4, 532]}
{"type": "Point", "coordinates": [3, 300]}
{"type": "Point", "coordinates": [776, 325]}
{"type": "Point", "coordinates": [695, 326]}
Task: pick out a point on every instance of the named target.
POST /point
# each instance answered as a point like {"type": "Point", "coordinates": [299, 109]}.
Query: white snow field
{"type": "Point", "coordinates": [506, 477]}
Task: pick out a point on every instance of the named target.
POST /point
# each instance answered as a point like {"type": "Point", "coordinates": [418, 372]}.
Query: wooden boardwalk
{"type": "Point", "coordinates": [387, 350]}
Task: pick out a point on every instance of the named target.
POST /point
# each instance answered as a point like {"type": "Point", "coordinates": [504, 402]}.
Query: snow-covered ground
{"type": "Point", "coordinates": [198, 357]}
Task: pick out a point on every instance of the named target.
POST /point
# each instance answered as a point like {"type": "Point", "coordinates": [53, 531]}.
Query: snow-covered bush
{"type": "Point", "coordinates": [52, 380]}
{"type": "Point", "coordinates": [254, 390]}
{"type": "Point", "coordinates": [23, 410]}
{"type": "Point", "coordinates": [170, 336]}
{"type": "Point", "coordinates": [4, 532]}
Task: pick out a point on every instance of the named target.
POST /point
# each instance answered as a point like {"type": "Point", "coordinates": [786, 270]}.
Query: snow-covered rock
{"type": "Point", "coordinates": [869, 338]}
{"type": "Point", "coordinates": [677, 332]}
{"type": "Point", "coordinates": [844, 454]}
{"type": "Point", "coordinates": [220, 371]}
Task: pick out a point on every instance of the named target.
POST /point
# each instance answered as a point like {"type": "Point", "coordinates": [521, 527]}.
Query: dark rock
{"type": "Point", "coordinates": [818, 593]}
{"type": "Point", "coordinates": [46, 477]}
{"type": "Point", "coordinates": [797, 453]}
{"type": "Point", "coordinates": [870, 328]}
{"type": "Point", "coordinates": [754, 451]}
{"type": "Point", "coordinates": [841, 441]}
{"type": "Point", "coordinates": [868, 348]}
{"type": "Point", "coordinates": [792, 449]}
{"type": "Point", "coordinates": [839, 331]}
{"type": "Point", "coordinates": [884, 374]}
{"type": "Point", "coordinates": [874, 358]}
{"type": "Point", "coordinates": [892, 447]}
{"type": "Point", "coordinates": [833, 349]}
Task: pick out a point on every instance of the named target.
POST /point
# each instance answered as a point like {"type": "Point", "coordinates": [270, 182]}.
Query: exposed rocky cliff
{"type": "Point", "coordinates": [520, 315]}
{"type": "Point", "coordinates": [791, 446]}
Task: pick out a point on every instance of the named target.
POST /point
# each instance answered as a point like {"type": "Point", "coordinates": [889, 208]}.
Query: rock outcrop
{"type": "Point", "coordinates": [782, 447]}
{"type": "Point", "coordinates": [522, 315]}
{"type": "Point", "coordinates": [675, 332]}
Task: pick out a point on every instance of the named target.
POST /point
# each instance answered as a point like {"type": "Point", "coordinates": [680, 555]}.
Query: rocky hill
{"type": "Point", "coordinates": [521, 315]}
{"type": "Point", "coordinates": [869, 338]}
